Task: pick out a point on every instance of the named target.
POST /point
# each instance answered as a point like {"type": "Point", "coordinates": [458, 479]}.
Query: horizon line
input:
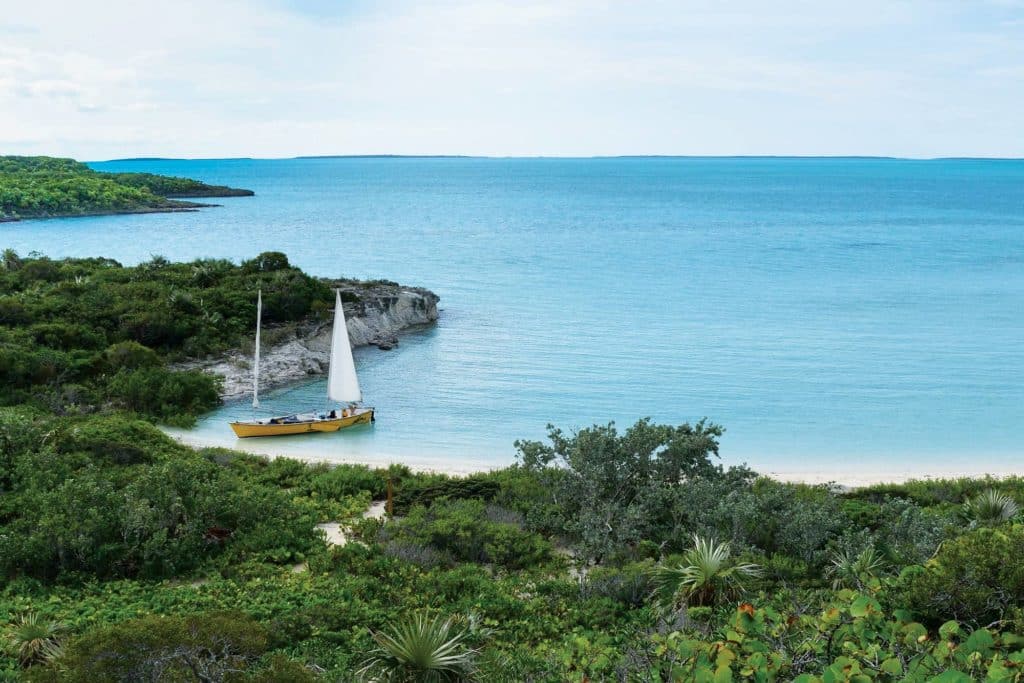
{"type": "Point", "coordinates": [309, 157]}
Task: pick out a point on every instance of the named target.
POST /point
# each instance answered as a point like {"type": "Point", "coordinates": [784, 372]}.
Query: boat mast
{"type": "Point", "coordinates": [256, 363]}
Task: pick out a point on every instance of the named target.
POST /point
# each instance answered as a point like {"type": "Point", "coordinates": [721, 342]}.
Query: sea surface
{"type": "Point", "coordinates": [833, 314]}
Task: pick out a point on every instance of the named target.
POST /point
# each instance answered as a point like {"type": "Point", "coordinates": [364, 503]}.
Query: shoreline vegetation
{"type": "Point", "coordinates": [80, 336]}
{"type": "Point", "coordinates": [605, 554]}
{"type": "Point", "coordinates": [50, 187]}
{"type": "Point", "coordinates": [602, 555]}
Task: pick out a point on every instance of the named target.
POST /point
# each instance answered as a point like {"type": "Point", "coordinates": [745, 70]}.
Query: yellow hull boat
{"type": "Point", "coordinates": [301, 424]}
{"type": "Point", "coordinates": [342, 387]}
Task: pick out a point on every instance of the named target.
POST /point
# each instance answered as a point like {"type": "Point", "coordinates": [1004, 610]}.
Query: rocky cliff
{"type": "Point", "coordinates": [376, 312]}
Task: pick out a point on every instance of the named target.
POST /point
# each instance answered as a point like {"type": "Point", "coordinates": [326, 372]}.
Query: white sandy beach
{"type": "Point", "coordinates": [273, 448]}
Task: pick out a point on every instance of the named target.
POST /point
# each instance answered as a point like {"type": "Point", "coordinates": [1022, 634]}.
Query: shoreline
{"type": "Point", "coordinates": [462, 467]}
{"type": "Point", "coordinates": [191, 208]}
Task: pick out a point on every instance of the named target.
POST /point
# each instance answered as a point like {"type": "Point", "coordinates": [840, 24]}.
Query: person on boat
{"type": "Point", "coordinates": [334, 414]}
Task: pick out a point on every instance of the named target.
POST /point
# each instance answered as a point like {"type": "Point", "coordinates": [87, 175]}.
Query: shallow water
{"type": "Point", "coordinates": [833, 314]}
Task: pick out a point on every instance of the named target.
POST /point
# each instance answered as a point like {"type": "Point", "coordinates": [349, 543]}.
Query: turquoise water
{"type": "Point", "coordinates": [831, 313]}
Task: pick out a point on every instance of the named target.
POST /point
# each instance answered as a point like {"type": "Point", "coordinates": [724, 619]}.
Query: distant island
{"type": "Point", "coordinates": [50, 187]}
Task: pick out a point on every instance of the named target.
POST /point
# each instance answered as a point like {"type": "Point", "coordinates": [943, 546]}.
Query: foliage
{"type": "Point", "coordinates": [109, 496]}
{"type": "Point", "coordinates": [705, 576]}
{"type": "Point", "coordinates": [36, 640]}
{"type": "Point", "coordinates": [465, 531]}
{"type": "Point", "coordinates": [939, 492]}
{"type": "Point", "coordinates": [197, 648]}
{"type": "Point", "coordinates": [990, 508]}
{"type": "Point", "coordinates": [851, 639]}
{"type": "Point", "coordinates": [977, 578]}
{"type": "Point", "coordinates": [855, 570]}
{"type": "Point", "coordinates": [169, 186]}
{"type": "Point", "coordinates": [33, 187]}
{"type": "Point", "coordinates": [348, 480]}
{"type": "Point", "coordinates": [106, 523]}
{"type": "Point", "coordinates": [419, 492]}
{"type": "Point", "coordinates": [607, 486]}
{"type": "Point", "coordinates": [77, 335]}
{"type": "Point", "coordinates": [420, 649]}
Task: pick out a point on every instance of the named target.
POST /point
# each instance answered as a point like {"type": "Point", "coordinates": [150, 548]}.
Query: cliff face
{"type": "Point", "coordinates": [382, 311]}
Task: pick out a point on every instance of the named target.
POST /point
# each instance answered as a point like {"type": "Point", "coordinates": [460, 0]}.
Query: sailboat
{"type": "Point", "coordinates": [342, 388]}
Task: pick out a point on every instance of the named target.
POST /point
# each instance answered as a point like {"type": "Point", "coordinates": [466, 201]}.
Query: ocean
{"type": "Point", "coordinates": [833, 314]}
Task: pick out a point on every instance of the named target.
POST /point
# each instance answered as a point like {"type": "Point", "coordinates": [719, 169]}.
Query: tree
{"type": "Point", "coordinates": [606, 487]}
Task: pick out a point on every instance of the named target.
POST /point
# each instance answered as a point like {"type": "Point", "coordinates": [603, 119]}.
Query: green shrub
{"type": "Point", "coordinates": [169, 395]}
{"type": "Point", "coordinates": [349, 480]}
{"type": "Point", "coordinates": [108, 496]}
{"type": "Point", "coordinates": [417, 492]}
{"type": "Point", "coordinates": [460, 529]}
{"type": "Point", "coordinates": [977, 578]}
{"type": "Point", "coordinates": [852, 639]}
{"type": "Point", "coordinates": [204, 647]}
{"type": "Point", "coordinates": [130, 355]}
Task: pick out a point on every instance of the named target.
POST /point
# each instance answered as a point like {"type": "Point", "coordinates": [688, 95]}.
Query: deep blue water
{"type": "Point", "coordinates": [831, 313]}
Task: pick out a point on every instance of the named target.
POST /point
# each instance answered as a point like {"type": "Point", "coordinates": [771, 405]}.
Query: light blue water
{"type": "Point", "coordinates": [831, 313]}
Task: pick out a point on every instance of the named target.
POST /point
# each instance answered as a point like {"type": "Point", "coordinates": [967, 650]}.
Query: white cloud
{"type": "Point", "coordinates": [505, 77]}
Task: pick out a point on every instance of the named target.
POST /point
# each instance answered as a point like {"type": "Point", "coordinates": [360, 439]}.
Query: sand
{"type": "Point", "coordinates": [852, 478]}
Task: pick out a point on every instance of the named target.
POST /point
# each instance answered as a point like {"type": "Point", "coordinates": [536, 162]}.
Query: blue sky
{"type": "Point", "coordinates": [517, 77]}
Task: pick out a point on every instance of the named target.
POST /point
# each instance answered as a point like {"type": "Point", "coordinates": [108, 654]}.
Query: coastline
{"type": "Point", "coordinates": [309, 453]}
{"type": "Point", "coordinates": [275, 448]}
{"type": "Point", "coordinates": [187, 207]}
{"type": "Point", "coordinates": [376, 314]}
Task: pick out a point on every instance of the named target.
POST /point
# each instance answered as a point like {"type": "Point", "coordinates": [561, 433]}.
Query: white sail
{"type": "Point", "coordinates": [256, 362]}
{"type": "Point", "coordinates": [342, 383]}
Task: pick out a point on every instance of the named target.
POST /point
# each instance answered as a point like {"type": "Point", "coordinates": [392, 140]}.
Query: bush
{"type": "Point", "coordinates": [114, 497]}
{"type": "Point", "coordinates": [977, 578]}
{"type": "Point", "coordinates": [169, 395]}
{"type": "Point", "coordinates": [477, 487]}
{"type": "Point", "coordinates": [130, 355]}
{"type": "Point", "coordinates": [349, 480]}
{"type": "Point", "coordinates": [119, 440]}
{"type": "Point", "coordinates": [460, 529]}
{"type": "Point", "coordinates": [205, 647]}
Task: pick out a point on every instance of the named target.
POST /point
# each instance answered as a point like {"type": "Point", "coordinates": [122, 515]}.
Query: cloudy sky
{"type": "Point", "coordinates": [273, 78]}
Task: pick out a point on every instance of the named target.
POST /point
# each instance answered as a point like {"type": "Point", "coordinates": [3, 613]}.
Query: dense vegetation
{"type": "Point", "coordinates": [603, 555]}
{"type": "Point", "coordinates": [40, 187]}
{"type": "Point", "coordinates": [77, 335]}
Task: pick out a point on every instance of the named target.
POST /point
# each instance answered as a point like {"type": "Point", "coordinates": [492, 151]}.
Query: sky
{"type": "Point", "coordinates": [280, 78]}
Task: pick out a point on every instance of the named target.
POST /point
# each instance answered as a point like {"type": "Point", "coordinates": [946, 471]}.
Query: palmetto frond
{"type": "Point", "coordinates": [991, 507]}
{"type": "Point", "coordinates": [36, 639]}
{"type": "Point", "coordinates": [854, 570]}
{"type": "Point", "coordinates": [704, 575]}
{"type": "Point", "coordinates": [418, 649]}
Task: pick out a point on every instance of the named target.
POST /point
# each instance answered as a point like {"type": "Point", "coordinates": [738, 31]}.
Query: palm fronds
{"type": "Point", "coordinates": [854, 570]}
{"type": "Point", "coordinates": [705, 575]}
{"type": "Point", "coordinates": [36, 640]}
{"type": "Point", "coordinates": [990, 507]}
{"type": "Point", "coordinates": [420, 649]}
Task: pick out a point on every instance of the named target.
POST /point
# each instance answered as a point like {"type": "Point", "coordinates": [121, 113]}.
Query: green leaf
{"type": "Point", "coordinates": [864, 606]}
{"type": "Point", "coordinates": [949, 629]}
{"type": "Point", "coordinates": [979, 641]}
{"type": "Point", "coordinates": [951, 676]}
{"type": "Point", "coordinates": [891, 666]}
